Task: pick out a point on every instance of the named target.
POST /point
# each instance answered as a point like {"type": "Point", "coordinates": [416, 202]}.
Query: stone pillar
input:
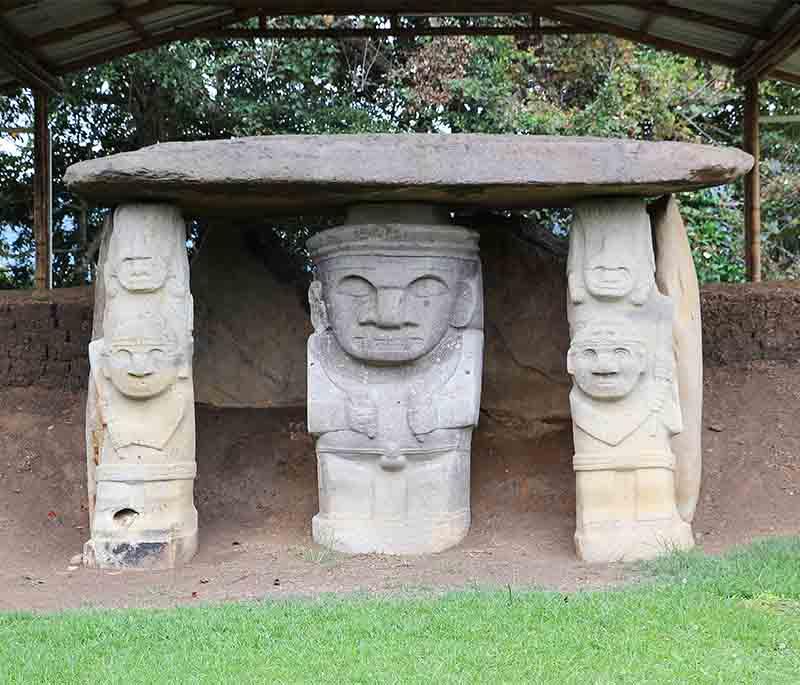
{"type": "Point", "coordinates": [394, 379]}
{"type": "Point", "coordinates": [625, 401]}
{"type": "Point", "coordinates": [140, 412]}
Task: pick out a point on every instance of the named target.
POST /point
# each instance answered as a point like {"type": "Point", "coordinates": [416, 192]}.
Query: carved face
{"type": "Point", "coordinates": [607, 370]}
{"type": "Point", "coordinates": [610, 270]}
{"type": "Point", "coordinates": [144, 363]}
{"type": "Point", "coordinates": [141, 251]}
{"type": "Point", "coordinates": [392, 309]}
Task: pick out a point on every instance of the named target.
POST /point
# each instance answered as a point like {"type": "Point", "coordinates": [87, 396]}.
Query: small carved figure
{"type": "Point", "coordinates": [624, 414]}
{"type": "Point", "coordinates": [394, 371]}
{"type": "Point", "coordinates": [611, 252]}
{"type": "Point", "coordinates": [144, 247]}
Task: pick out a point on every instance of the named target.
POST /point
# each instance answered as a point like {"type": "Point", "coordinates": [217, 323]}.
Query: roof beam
{"type": "Point", "coordinates": [339, 33]}
{"type": "Point", "coordinates": [24, 65]}
{"type": "Point", "coordinates": [771, 53]}
{"type": "Point", "coordinates": [120, 16]}
{"type": "Point", "coordinates": [156, 39]}
{"type": "Point", "coordinates": [132, 20]}
{"type": "Point", "coordinates": [395, 7]}
{"type": "Point", "coordinates": [773, 19]}
{"type": "Point", "coordinates": [712, 20]}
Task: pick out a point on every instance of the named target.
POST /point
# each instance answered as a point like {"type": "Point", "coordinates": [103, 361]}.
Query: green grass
{"type": "Point", "coordinates": [734, 620]}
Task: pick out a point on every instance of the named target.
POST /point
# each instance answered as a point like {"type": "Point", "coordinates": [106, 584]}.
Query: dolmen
{"type": "Point", "coordinates": [395, 359]}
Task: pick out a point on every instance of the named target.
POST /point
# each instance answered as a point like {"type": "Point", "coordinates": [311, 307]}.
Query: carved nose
{"type": "Point", "coordinates": [390, 308]}
{"type": "Point", "coordinates": [606, 364]}
{"type": "Point", "coordinates": [140, 366]}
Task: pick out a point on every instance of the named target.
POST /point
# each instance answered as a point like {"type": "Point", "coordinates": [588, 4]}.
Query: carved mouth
{"type": "Point", "coordinates": [389, 343]}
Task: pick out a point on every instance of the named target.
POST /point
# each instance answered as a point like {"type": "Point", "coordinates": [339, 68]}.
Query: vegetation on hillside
{"type": "Point", "coordinates": [560, 85]}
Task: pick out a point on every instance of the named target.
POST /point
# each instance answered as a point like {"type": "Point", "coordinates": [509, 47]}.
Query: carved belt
{"type": "Point", "coordinates": [391, 458]}
{"type": "Point", "coordinates": [138, 473]}
{"type": "Point", "coordinates": [608, 461]}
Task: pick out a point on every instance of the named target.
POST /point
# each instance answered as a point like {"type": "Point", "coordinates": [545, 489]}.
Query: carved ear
{"type": "Point", "coordinates": [646, 281]}
{"type": "Point", "coordinates": [184, 370]}
{"type": "Point", "coordinates": [575, 263]}
{"type": "Point", "coordinates": [319, 311]}
{"type": "Point", "coordinates": [571, 362]}
{"type": "Point", "coordinates": [466, 304]}
{"type": "Point", "coordinates": [96, 354]}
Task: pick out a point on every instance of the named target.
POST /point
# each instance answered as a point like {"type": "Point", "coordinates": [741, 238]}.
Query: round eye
{"type": "Point", "coordinates": [427, 287]}
{"type": "Point", "coordinates": [354, 287]}
{"type": "Point", "coordinates": [122, 357]}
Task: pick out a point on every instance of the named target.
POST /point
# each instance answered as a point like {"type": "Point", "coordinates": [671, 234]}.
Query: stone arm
{"type": "Point", "coordinates": [666, 398]}
{"type": "Point", "coordinates": [96, 371]}
{"type": "Point", "coordinates": [457, 404]}
{"type": "Point", "coordinates": [330, 408]}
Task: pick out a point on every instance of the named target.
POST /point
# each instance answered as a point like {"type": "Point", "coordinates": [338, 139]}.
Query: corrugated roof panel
{"type": "Point", "coordinates": [38, 17]}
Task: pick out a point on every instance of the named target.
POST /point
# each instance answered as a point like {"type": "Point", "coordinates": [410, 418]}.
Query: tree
{"type": "Point", "coordinates": [558, 85]}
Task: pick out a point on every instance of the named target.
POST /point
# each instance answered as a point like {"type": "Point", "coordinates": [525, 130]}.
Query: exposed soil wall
{"type": "Point", "coordinates": [752, 322]}
{"type": "Point", "coordinates": [44, 340]}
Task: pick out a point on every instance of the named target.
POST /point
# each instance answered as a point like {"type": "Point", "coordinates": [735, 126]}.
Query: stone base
{"type": "Point", "coordinates": [414, 536]}
{"type": "Point", "coordinates": [632, 540]}
{"type": "Point", "coordinates": [144, 555]}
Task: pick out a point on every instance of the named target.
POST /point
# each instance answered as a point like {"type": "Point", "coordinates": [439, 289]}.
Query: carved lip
{"type": "Point", "coordinates": [389, 343]}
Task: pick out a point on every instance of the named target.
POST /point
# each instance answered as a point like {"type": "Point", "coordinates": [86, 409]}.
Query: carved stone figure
{"type": "Point", "coordinates": [394, 377]}
{"type": "Point", "coordinates": [141, 410]}
{"type": "Point", "coordinates": [624, 402]}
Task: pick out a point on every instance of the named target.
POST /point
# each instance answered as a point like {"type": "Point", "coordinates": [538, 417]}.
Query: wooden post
{"type": "Point", "coordinates": [41, 192]}
{"type": "Point", "coordinates": [752, 184]}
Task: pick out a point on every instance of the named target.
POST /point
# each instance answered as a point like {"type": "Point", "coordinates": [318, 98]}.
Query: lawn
{"type": "Point", "coordinates": [693, 619]}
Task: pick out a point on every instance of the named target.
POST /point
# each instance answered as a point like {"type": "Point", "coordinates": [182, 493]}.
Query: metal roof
{"type": "Point", "coordinates": [40, 39]}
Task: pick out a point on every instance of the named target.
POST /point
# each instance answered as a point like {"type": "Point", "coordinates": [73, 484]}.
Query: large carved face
{"type": "Point", "coordinates": [142, 247]}
{"type": "Point", "coordinates": [610, 269]}
{"type": "Point", "coordinates": [393, 309]}
{"type": "Point", "coordinates": [141, 359]}
{"type": "Point", "coordinates": [607, 369]}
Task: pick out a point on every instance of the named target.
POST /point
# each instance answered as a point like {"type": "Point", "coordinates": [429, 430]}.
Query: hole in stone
{"type": "Point", "coordinates": [125, 517]}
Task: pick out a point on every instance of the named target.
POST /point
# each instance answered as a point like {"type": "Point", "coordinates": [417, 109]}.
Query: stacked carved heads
{"type": "Point", "coordinates": [140, 412]}
{"type": "Point", "coordinates": [624, 400]}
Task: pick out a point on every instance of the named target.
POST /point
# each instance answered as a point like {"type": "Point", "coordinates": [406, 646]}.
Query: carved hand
{"type": "Point", "coordinates": [362, 416]}
{"type": "Point", "coordinates": [422, 419]}
{"type": "Point", "coordinates": [577, 291]}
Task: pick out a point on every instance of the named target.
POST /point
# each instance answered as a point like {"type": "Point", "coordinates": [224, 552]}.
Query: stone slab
{"type": "Point", "coordinates": [307, 174]}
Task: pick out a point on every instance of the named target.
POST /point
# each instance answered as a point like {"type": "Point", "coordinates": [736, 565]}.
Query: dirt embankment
{"type": "Point", "coordinates": [256, 487]}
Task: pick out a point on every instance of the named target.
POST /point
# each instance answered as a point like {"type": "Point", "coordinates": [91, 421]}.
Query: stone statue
{"type": "Point", "coordinates": [394, 377]}
{"type": "Point", "coordinates": [625, 402]}
{"type": "Point", "coordinates": [140, 417]}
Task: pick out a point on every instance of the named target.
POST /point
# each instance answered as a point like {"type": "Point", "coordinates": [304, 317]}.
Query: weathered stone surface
{"type": "Point", "coordinates": [625, 404]}
{"type": "Point", "coordinates": [290, 174]}
{"type": "Point", "coordinates": [250, 328]}
{"type": "Point", "coordinates": [677, 278]}
{"type": "Point", "coordinates": [394, 378]}
{"type": "Point", "coordinates": [140, 411]}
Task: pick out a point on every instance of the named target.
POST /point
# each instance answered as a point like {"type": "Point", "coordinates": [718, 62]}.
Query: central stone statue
{"type": "Point", "coordinates": [394, 379]}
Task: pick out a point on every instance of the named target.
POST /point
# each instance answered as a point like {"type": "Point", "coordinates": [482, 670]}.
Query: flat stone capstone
{"type": "Point", "coordinates": [310, 174]}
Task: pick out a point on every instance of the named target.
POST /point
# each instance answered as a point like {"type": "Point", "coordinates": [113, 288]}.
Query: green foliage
{"type": "Point", "coordinates": [714, 224]}
{"type": "Point", "coordinates": [555, 85]}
